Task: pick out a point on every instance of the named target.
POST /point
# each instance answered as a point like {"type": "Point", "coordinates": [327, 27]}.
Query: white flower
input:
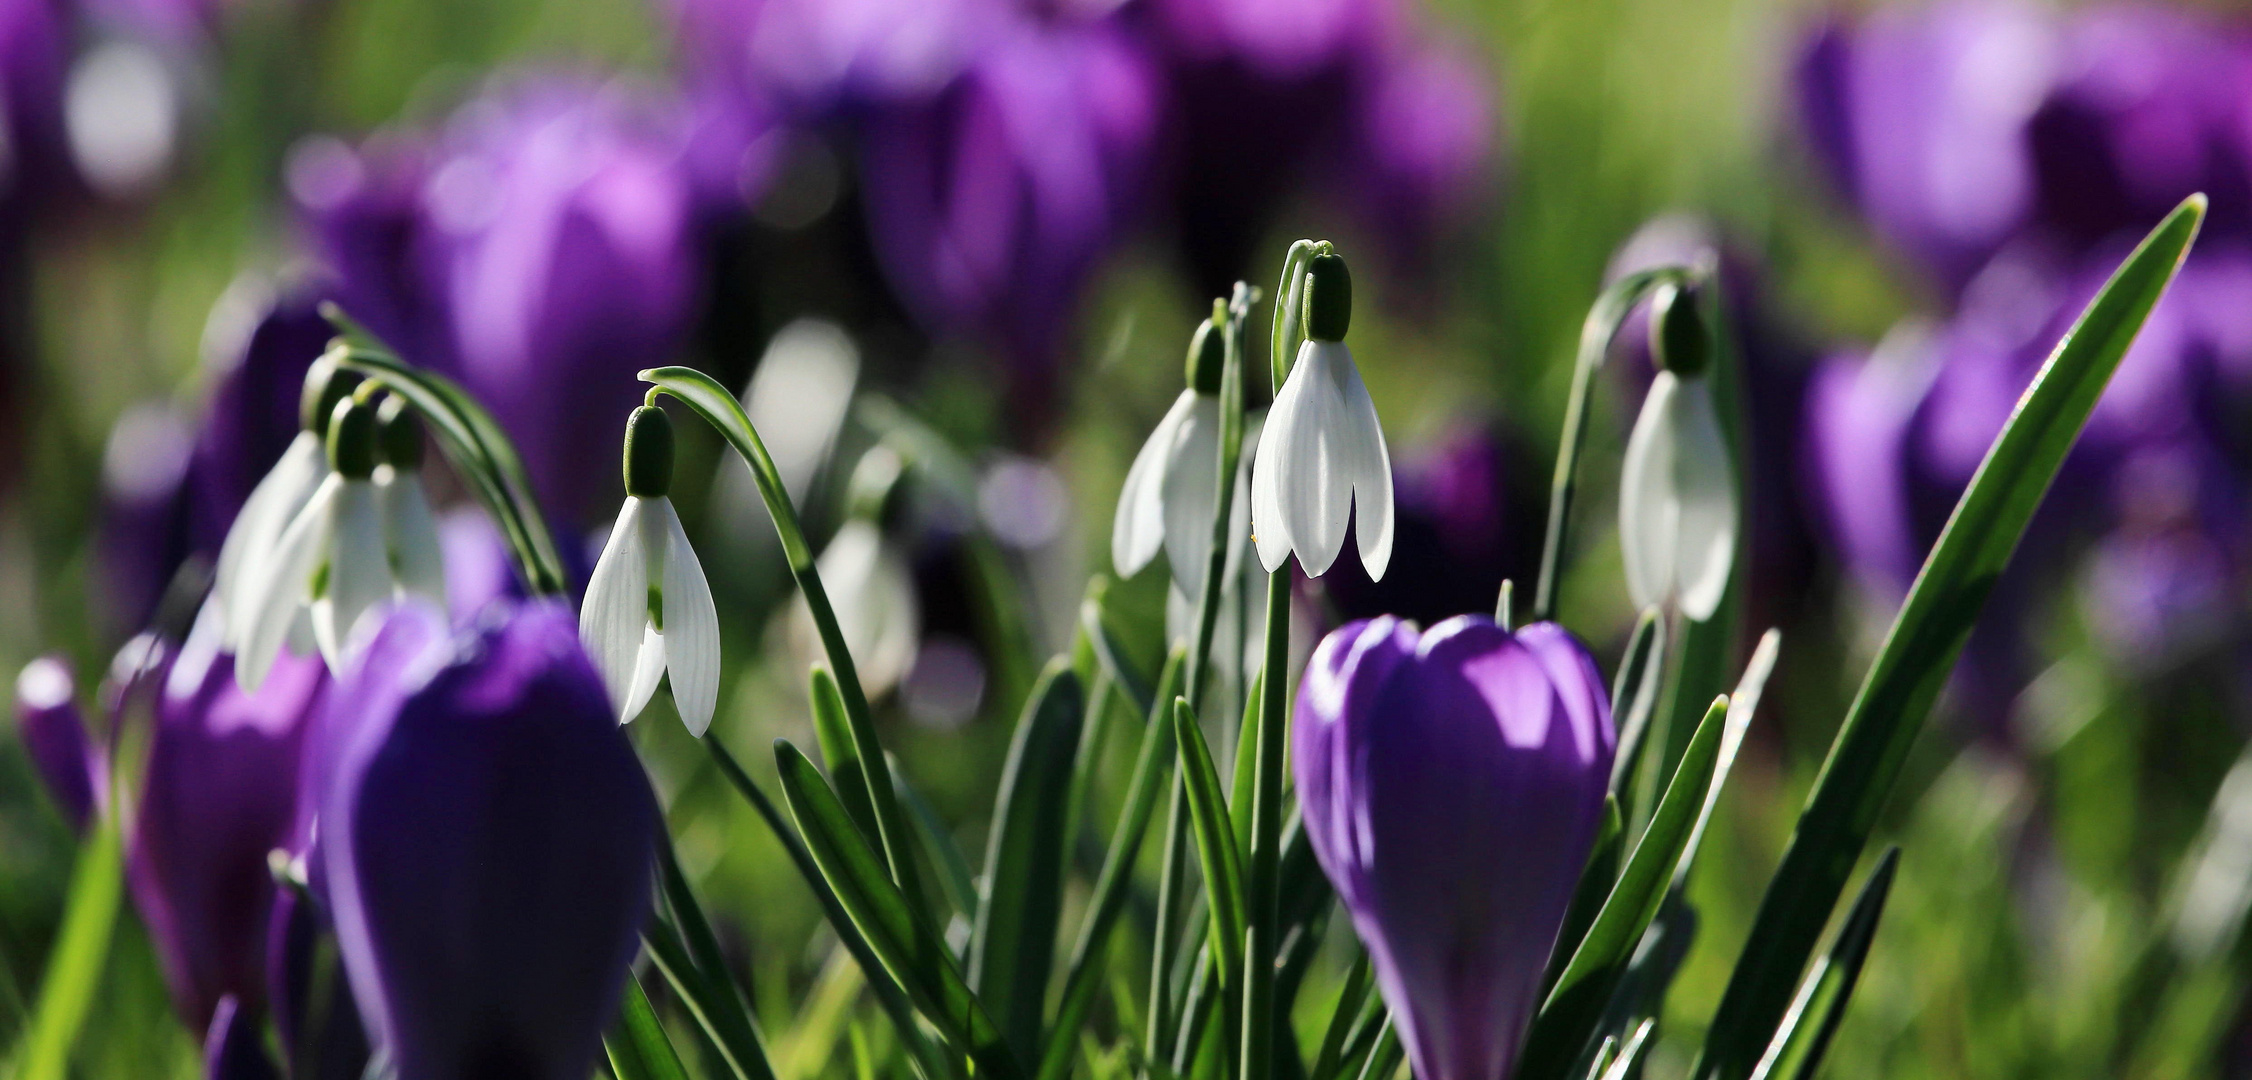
{"type": "Point", "coordinates": [648, 609]}
{"type": "Point", "coordinates": [873, 596]}
{"type": "Point", "coordinates": [331, 563]}
{"type": "Point", "coordinates": [246, 556]}
{"type": "Point", "coordinates": [410, 534]}
{"type": "Point", "coordinates": [1322, 458]}
{"type": "Point", "coordinates": [1677, 499]}
{"type": "Point", "coordinates": [1169, 494]}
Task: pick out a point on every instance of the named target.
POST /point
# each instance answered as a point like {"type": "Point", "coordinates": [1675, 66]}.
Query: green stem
{"type": "Point", "coordinates": [1266, 838]}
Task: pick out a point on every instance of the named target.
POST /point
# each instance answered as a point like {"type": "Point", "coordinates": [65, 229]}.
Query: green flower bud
{"type": "Point", "coordinates": [648, 453]}
{"type": "Point", "coordinates": [1680, 339]}
{"type": "Point", "coordinates": [351, 439]}
{"type": "Point", "coordinates": [325, 385]}
{"type": "Point", "coordinates": [1329, 298]}
{"type": "Point", "coordinates": [1208, 354]}
{"type": "Point", "coordinates": [399, 432]}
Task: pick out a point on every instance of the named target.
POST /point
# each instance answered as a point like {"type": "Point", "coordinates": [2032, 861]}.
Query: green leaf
{"type": "Point", "coordinates": [1918, 654]}
{"type": "Point", "coordinates": [1351, 1002]}
{"type": "Point", "coordinates": [706, 986]}
{"type": "Point", "coordinates": [1741, 706]}
{"type": "Point", "coordinates": [1630, 1055]}
{"type": "Point", "coordinates": [1111, 649]}
{"type": "Point", "coordinates": [1014, 942]}
{"type": "Point", "coordinates": [1216, 845]}
{"type": "Point", "coordinates": [74, 970]}
{"type": "Point", "coordinates": [639, 1048]}
{"type": "Point", "coordinates": [1568, 1017]}
{"type": "Point", "coordinates": [1082, 974]}
{"type": "Point", "coordinates": [1611, 308]}
{"type": "Point", "coordinates": [1384, 1059]}
{"type": "Point", "coordinates": [1596, 880]}
{"type": "Point", "coordinates": [888, 991]}
{"type": "Point", "coordinates": [1634, 697]}
{"type": "Point", "coordinates": [1796, 1051]}
{"type": "Point", "coordinates": [832, 731]}
{"type": "Point", "coordinates": [954, 877]}
{"type": "Point", "coordinates": [895, 931]}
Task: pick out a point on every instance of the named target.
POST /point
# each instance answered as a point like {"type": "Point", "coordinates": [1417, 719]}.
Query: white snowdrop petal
{"type": "Point", "coordinates": [648, 671]}
{"type": "Point", "coordinates": [273, 504]}
{"type": "Point", "coordinates": [1367, 461]}
{"type": "Point", "coordinates": [1705, 493]}
{"type": "Point", "coordinates": [283, 589]}
{"type": "Point", "coordinates": [898, 621]}
{"type": "Point", "coordinates": [1139, 527]}
{"type": "Point", "coordinates": [691, 628]}
{"type": "Point", "coordinates": [1646, 540]}
{"type": "Point", "coordinates": [1190, 488]}
{"type": "Point", "coordinates": [1270, 534]}
{"type": "Point", "coordinates": [418, 563]}
{"type": "Point", "coordinates": [615, 613]}
{"type": "Point", "coordinates": [359, 569]}
{"type": "Point", "coordinates": [1315, 490]}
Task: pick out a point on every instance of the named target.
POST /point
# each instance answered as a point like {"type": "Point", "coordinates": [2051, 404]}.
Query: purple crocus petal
{"type": "Point", "coordinates": [489, 846]}
{"type": "Point", "coordinates": [234, 1050]}
{"type": "Point", "coordinates": [254, 410]}
{"type": "Point", "coordinates": [363, 208]}
{"type": "Point", "coordinates": [405, 641]}
{"type": "Point", "coordinates": [294, 939]}
{"type": "Point", "coordinates": [1470, 757]}
{"type": "Point", "coordinates": [1423, 140]}
{"type": "Point", "coordinates": [219, 796]}
{"type": "Point", "coordinates": [54, 736]}
{"type": "Point", "coordinates": [815, 58]}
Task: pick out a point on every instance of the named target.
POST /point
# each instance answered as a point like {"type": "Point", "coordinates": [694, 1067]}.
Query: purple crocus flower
{"type": "Point", "coordinates": [54, 736]}
{"type": "Point", "coordinates": [219, 795]}
{"type": "Point", "coordinates": [489, 840]}
{"type": "Point", "coordinates": [1469, 757]}
{"type": "Point", "coordinates": [541, 248]}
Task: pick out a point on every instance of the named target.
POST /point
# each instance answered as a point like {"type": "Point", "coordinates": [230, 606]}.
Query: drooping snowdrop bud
{"type": "Point", "coordinates": [410, 531]}
{"type": "Point", "coordinates": [1322, 461]}
{"type": "Point", "coordinates": [1170, 490]}
{"type": "Point", "coordinates": [54, 737]}
{"type": "Point", "coordinates": [648, 608]}
{"type": "Point", "coordinates": [868, 580]}
{"type": "Point", "coordinates": [1452, 783]}
{"type": "Point", "coordinates": [332, 562]}
{"type": "Point", "coordinates": [246, 557]}
{"type": "Point", "coordinates": [1677, 487]}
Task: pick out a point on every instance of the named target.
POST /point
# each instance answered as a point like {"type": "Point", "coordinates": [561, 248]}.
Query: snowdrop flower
{"type": "Point", "coordinates": [331, 563]}
{"type": "Point", "coordinates": [1171, 489]}
{"type": "Point", "coordinates": [1677, 487]}
{"type": "Point", "coordinates": [869, 584]}
{"type": "Point", "coordinates": [648, 608]}
{"type": "Point", "coordinates": [1323, 455]}
{"type": "Point", "coordinates": [410, 530]}
{"type": "Point", "coordinates": [245, 558]}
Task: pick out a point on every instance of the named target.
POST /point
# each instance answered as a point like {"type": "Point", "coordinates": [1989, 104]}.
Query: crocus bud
{"type": "Point", "coordinates": [489, 843]}
{"type": "Point", "coordinates": [220, 795]}
{"type": "Point", "coordinates": [1452, 783]}
{"type": "Point", "coordinates": [54, 736]}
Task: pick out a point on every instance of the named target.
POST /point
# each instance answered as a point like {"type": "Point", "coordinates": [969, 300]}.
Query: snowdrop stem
{"type": "Point", "coordinates": [1263, 929]}
{"type": "Point", "coordinates": [1288, 324]}
{"type": "Point", "coordinates": [1603, 321]}
{"type": "Point", "coordinates": [724, 413]}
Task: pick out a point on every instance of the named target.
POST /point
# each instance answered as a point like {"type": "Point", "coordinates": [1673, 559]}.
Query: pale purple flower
{"type": "Point", "coordinates": [1452, 782]}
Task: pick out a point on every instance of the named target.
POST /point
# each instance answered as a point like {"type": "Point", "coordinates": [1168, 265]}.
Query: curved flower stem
{"type": "Point", "coordinates": [895, 836]}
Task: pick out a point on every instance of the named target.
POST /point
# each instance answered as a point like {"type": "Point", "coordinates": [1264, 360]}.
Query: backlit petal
{"type": "Point", "coordinates": [1705, 492]}
{"type": "Point", "coordinates": [418, 563]}
{"type": "Point", "coordinates": [615, 614]}
{"type": "Point", "coordinates": [1359, 447]}
{"type": "Point", "coordinates": [1646, 505]}
{"type": "Point", "coordinates": [1139, 525]}
{"type": "Point", "coordinates": [273, 504]}
{"type": "Point", "coordinates": [359, 569]}
{"type": "Point", "coordinates": [1315, 489]}
{"type": "Point", "coordinates": [1269, 532]}
{"type": "Point", "coordinates": [1191, 487]}
{"type": "Point", "coordinates": [691, 628]}
{"type": "Point", "coordinates": [283, 590]}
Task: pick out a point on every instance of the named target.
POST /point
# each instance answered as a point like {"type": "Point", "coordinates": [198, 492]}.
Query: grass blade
{"type": "Point", "coordinates": [1796, 1051]}
{"type": "Point", "coordinates": [709, 989]}
{"type": "Point", "coordinates": [74, 970]}
{"type": "Point", "coordinates": [1919, 652]}
{"type": "Point", "coordinates": [832, 731]}
{"type": "Point", "coordinates": [1351, 1001]}
{"type": "Point", "coordinates": [1630, 1055]}
{"type": "Point", "coordinates": [1741, 706]}
{"type": "Point", "coordinates": [1634, 697]}
{"type": "Point", "coordinates": [1570, 1013]}
{"type": "Point", "coordinates": [955, 880]}
{"type": "Point", "coordinates": [639, 1048]}
{"type": "Point", "coordinates": [894, 929]}
{"type": "Point", "coordinates": [1596, 881]}
{"type": "Point", "coordinates": [1112, 652]}
{"type": "Point", "coordinates": [1014, 941]}
{"type": "Point", "coordinates": [1216, 848]}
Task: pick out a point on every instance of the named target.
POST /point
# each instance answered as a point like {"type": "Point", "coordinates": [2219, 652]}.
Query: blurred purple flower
{"type": "Point", "coordinates": [489, 839]}
{"type": "Point", "coordinates": [991, 203]}
{"type": "Point", "coordinates": [1466, 517]}
{"type": "Point", "coordinates": [315, 1020]}
{"type": "Point", "coordinates": [33, 59]}
{"type": "Point", "coordinates": [814, 58]}
{"type": "Point", "coordinates": [541, 248]}
{"type": "Point", "coordinates": [1465, 755]}
{"type": "Point", "coordinates": [235, 1049]}
{"type": "Point", "coordinates": [72, 768]}
{"type": "Point", "coordinates": [219, 796]}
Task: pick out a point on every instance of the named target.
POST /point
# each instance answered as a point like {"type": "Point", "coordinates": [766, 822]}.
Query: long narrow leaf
{"type": "Point", "coordinates": [74, 970]}
{"type": "Point", "coordinates": [1897, 694]}
{"type": "Point", "coordinates": [1796, 1051]}
{"type": "Point", "coordinates": [1568, 1017]}
{"type": "Point", "coordinates": [639, 1048]}
{"type": "Point", "coordinates": [1634, 697]}
{"type": "Point", "coordinates": [895, 931]}
{"type": "Point", "coordinates": [955, 879]}
{"type": "Point", "coordinates": [710, 989]}
{"type": "Point", "coordinates": [1350, 1000]}
{"type": "Point", "coordinates": [832, 731]}
{"type": "Point", "coordinates": [1112, 652]}
{"type": "Point", "coordinates": [1596, 881]}
{"type": "Point", "coordinates": [1741, 706]}
{"type": "Point", "coordinates": [1014, 942]}
{"type": "Point", "coordinates": [1215, 841]}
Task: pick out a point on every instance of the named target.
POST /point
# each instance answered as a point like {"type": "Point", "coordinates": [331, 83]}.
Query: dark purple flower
{"type": "Point", "coordinates": [1452, 783]}
{"type": "Point", "coordinates": [33, 60]}
{"type": "Point", "coordinates": [993, 202]}
{"type": "Point", "coordinates": [54, 736]}
{"type": "Point", "coordinates": [541, 248]}
{"type": "Point", "coordinates": [219, 796]}
{"type": "Point", "coordinates": [1467, 515]}
{"type": "Point", "coordinates": [311, 1000]}
{"type": "Point", "coordinates": [234, 1048]}
{"type": "Point", "coordinates": [489, 842]}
